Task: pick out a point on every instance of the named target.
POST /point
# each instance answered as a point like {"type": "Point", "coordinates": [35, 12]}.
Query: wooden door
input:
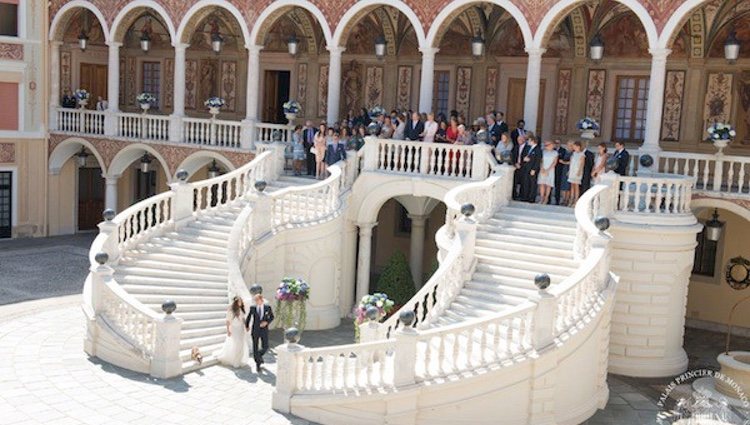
{"type": "Point", "coordinates": [94, 80]}
{"type": "Point", "coordinates": [6, 207]}
{"type": "Point", "coordinates": [270, 96]}
{"type": "Point", "coordinates": [90, 198]}
{"type": "Point", "coordinates": [516, 100]}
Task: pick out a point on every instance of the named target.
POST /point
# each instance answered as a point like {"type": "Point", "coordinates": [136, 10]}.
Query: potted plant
{"type": "Point", "coordinates": [214, 104]}
{"type": "Point", "coordinates": [82, 97]}
{"type": "Point", "coordinates": [376, 111]}
{"type": "Point", "coordinates": [721, 135]}
{"type": "Point", "coordinates": [377, 302]}
{"type": "Point", "coordinates": [588, 127]}
{"type": "Point", "coordinates": [291, 109]}
{"type": "Point", "coordinates": [145, 100]}
{"type": "Point", "coordinates": [396, 280]}
{"type": "Point", "coordinates": [291, 300]}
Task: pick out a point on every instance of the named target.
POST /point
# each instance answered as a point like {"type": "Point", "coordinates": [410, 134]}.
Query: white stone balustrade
{"type": "Point", "coordinates": [652, 196]}
{"type": "Point", "coordinates": [716, 174]}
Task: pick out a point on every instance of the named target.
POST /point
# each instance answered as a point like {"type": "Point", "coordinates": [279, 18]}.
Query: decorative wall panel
{"type": "Point", "coordinates": [229, 84]}
{"type": "Point", "coordinates": [65, 72]}
{"type": "Point", "coordinates": [168, 82]}
{"type": "Point", "coordinates": [673, 94]}
{"type": "Point", "coordinates": [595, 94]}
{"type": "Point", "coordinates": [7, 153]}
{"type": "Point", "coordinates": [490, 97]}
{"type": "Point", "coordinates": [374, 86]}
{"type": "Point", "coordinates": [322, 91]}
{"type": "Point", "coordinates": [718, 103]}
{"type": "Point", "coordinates": [463, 92]}
{"type": "Point", "coordinates": [191, 86]}
{"type": "Point", "coordinates": [562, 106]}
{"type": "Point", "coordinates": [403, 90]}
{"type": "Point", "coordinates": [302, 87]}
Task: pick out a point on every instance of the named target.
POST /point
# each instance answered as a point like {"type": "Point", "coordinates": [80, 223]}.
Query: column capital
{"type": "Point", "coordinates": [254, 49]}
{"type": "Point", "coordinates": [335, 50]}
{"type": "Point", "coordinates": [114, 44]}
{"type": "Point", "coordinates": [418, 219]}
{"type": "Point", "coordinates": [659, 53]}
{"type": "Point", "coordinates": [180, 46]}
{"type": "Point", "coordinates": [55, 43]}
{"type": "Point", "coordinates": [365, 229]}
{"type": "Point", "coordinates": [429, 51]}
{"type": "Point", "coordinates": [535, 51]}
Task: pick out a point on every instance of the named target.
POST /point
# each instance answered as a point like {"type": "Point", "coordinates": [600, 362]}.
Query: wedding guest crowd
{"type": "Point", "coordinates": [546, 171]}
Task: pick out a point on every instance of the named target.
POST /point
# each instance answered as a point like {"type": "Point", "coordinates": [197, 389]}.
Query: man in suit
{"type": "Point", "coordinates": [493, 128]}
{"type": "Point", "coordinates": [520, 150]}
{"type": "Point", "coordinates": [308, 140]}
{"type": "Point", "coordinates": [261, 316]}
{"type": "Point", "coordinates": [559, 169]}
{"type": "Point", "coordinates": [519, 131]}
{"type": "Point", "coordinates": [414, 127]}
{"type": "Point", "coordinates": [532, 163]}
{"type": "Point", "coordinates": [500, 120]}
{"type": "Point", "coordinates": [623, 159]}
{"type": "Point", "coordinates": [588, 167]}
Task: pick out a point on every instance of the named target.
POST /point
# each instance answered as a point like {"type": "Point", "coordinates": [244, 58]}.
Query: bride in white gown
{"type": "Point", "coordinates": [235, 350]}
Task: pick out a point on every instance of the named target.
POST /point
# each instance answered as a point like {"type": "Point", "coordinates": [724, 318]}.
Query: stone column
{"type": "Point", "coordinates": [247, 139]}
{"type": "Point", "coordinates": [427, 80]}
{"type": "Point", "coordinates": [348, 281]}
{"type": "Point", "coordinates": [533, 82]}
{"type": "Point", "coordinates": [364, 259]}
{"type": "Point", "coordinates": [654, 263]}
{"type": "Point", "coordinates": [334, 83]}
{"type": "Point", "coordinates": [178, 111]}
{"type": "Point", "coordinates": [110, 192]}
{"type": "Point", "coordinates": [113, 89]}
{"type": "Point", "coordinates": [54, 82]}
{"type": "Point", "coordinates": [416, 247]}
{"type": "Point", "coordinates": [657, 82]}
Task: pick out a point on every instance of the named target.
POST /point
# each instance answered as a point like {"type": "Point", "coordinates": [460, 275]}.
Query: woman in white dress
{"type": "Point", "coordinates": [546, 179]}
{"type": "Point", "coordinates": [600, 164]}
{"type": "Point", "coordinates": [575, 172]}
{"type": "Point", "coordinates": [235, 351]}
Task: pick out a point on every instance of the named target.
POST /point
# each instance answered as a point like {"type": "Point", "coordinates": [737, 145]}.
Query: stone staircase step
{"type": "Point", "coordinates": [179, 265]}
{"type": "Point", "coordinates": [188, 254]}
{"type": "Point", "coordinates": [203, 332]}
{"type": "Point", "coordinates": [537, 242]}
{"type": "Point", "coordinates": [197, 316]}
{"type": "Point", "coordinates": [202, 341]}
{"type": "Point", "coordinates": [204, 232]}
{"type": "Point", "coordinates": [149, 284]}
{"type": "Point", "coordinates": [184, 299]}
{"type": "Point", "coordinates": [140, 290]}
{"type": "Point", "coordinates": [539, 207]}
{"type": "Point", "coordinates": [185, 245]}
{"type": "Point", "coordinates": [524, 245]}
{"type": "Point", "coordinates": [189, 308]}
{"type": "Point", "coordinates": [500, 295]}
{"type": "Point", "coordinates": [203, 323]}
{"type": "Point", "coordinates": [193, 236]}
{"type": "Point", "coordinates": [525, 271]}
{"type": "Point", "coordinates": [540, 211]}
{"type": "Point", "coordinates": [525, 233]}
{"type": "Point", "coordinates": [506, 219]}
{"type": "Point", "coordinates": [224, 228]}
{"type": "Point", "coordinates": [171, 274]}
{"type": "Point", "coordinates": [167, 261]}
{"type": "Point", "coordinates": [500, 256]}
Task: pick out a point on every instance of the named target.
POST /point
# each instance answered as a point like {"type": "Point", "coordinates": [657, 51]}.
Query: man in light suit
{"type": "Point", "coordinates": [261, 316]}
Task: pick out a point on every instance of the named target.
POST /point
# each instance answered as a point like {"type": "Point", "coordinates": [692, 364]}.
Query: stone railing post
{"type": "Point", "coordinates": [286, 369]}
{"type": "Point", "coordinates": [110, 123]}
{"type": "Point", "coordinates": [247, 135]}
{"type": "Point", "coordinates": [371, 154]}
{"type": "Point", "coordinates": [182, 203]}
{"type": "Point", "coordinates": [405, 357]}
{"type": "Point", "coordinates": [479, 165]}
{"type": "Point", "coordinates": [425, 153]}
{"type": "Point", "coordinates": [466, 229]}
{"type": "Point", "coordinates": [100, 275]}
{"type": "Point", "coordinates": [166, 362]}
{"type": "Point", "coordinates": [262, 216]}
{"type": "Point", "coordinates": [107, 228]}
{"type": "Point", "coordinates": [544, 315]}
{"type": "Point", "coordinates": [175, 129]}
{"type": "Point", "coordinates": [718, 172]}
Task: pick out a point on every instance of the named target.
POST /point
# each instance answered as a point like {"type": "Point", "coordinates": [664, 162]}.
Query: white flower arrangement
{"type": "Point", "coordinates": [81, 94]}
{"type": "Point", "coordinates": [721, 131]}
{"type": "Point", "coordinates": [376, 111]}
{"type": "Point", "coordinates": [292, 107]}
{"type": "Point", "coordinates": [215, 102]}
{"type": "Point", "coordinates": [587, 124]}
{"type": "Point", "coordinates": [145, 99]}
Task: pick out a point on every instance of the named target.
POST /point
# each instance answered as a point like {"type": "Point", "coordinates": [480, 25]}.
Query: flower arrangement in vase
{"type": "Point", "coordinates": [382, 304]}
{"type": "Point", "coordinates": [145, 100]}
{"type": "Point", "coordinates": [291, 301]}
{"type": "Point", "coordinates": [588, 127]}
{"type": "Point", "coordinates": [214, 104]}
{"type": "Point", "coordinates": [376, 111]}
{"type": "Point", "coordinates": [82, 97]}
{"type": "Point", "coordinates": [721, 135]}
{"type": "Point", "coordinates": [291, 109]}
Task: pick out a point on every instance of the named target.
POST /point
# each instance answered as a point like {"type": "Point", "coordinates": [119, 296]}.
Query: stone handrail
{"type": "Point", "coordinates": [426, 159]}
{"type": "Point", "coordinates": [653, 196]}
{"type": "Point", "coordinates": [141, 220]}
{"type": "Point", "coordinates": [211, 132]}
{"type": "Point", "coordinates": [143, 126]}
{"type": "Point", "coordinates": [713, 173]}
{"type": "Point", "coordinates": [295, 205]}
{"type": "Point", "coordinates": [269, 133]}
{"type": "Point", "coordinates": [80, 121]}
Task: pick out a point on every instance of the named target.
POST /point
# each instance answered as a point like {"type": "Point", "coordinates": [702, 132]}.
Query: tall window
{"type": "Point", "coordinates": [705, 256]}
{"type": "Point", "coordinates": [9, 18]}
{"type": "Point", "coordinates": [441, 93]}
{"type": "Point", "coordinates": [151, 78]}
{"type": "Point", "coordinates": [630, 110]}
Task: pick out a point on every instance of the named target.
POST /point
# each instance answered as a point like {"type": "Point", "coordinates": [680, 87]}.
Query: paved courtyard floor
{"type": "Point", "coordinates": [46, 378]}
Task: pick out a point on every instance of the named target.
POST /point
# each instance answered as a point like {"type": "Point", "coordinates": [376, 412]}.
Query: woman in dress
{"type": "Point", "coordinates": [503, 145]}
{"type": "Point", "coordinates": [430, 129]}
{"type": "Point", "coordinates": [386, 130]}
{"type": "Point", "coordinates": [319, 149]}
{"type": "Point", "coordinates": [332, 142]}
{"type": "Point", "coordinates": [575, 172]}
{"type": "Point", "coordinates": [546, 179]}
{"type": "Point", "coordinates": [440, 135]}
{"type": "Point", "coordinates": [235, 352]}
{"type": "Point", "coordinates": [298, 150]}
{"type": "Point", "coordinates": [451, 134]}
{"type": "Point", "coordinates": [600, 163]}
{"type": "Point", "coordinates": [398, 134]}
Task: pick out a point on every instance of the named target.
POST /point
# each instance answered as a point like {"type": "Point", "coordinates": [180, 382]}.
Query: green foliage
{"type": "Point", "coordinates": [396, 279]}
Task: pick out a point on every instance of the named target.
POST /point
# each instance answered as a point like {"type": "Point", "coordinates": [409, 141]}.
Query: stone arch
{"type": "Point", "coordinates": [363, 7]}
{"type": "Point", "coordinates": [450, 11]}
{"type": "Point", "coordinates": [125, 157]}
{"type": "Point", "coordinates": [699, 204]}
{"type": "Point", "coordinates": [562, 8]}
{"type": "Point", "coordinates": [277, 9]}
{"type": "Point", "coordinates": [62, 19]}
{"type": "Point", "coordinates": [369, 207]}
{"type": "Point", "coordinates": [200, 10]}
{"type": "Point", "coordinates": [69, 147]}
{"type": "Point", "coordinates": [199, 159]}
{"type": "Point", "coordinates": [677, 20]}
{"type": "Point", "coordinates": [128, 15]}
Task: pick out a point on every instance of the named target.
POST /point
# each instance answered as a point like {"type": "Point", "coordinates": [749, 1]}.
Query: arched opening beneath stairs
{"type": "Point", "coordinates": [136, 172]}
{"type": "Point", "coordinates": [202, 165]}
{"type": "Point", "coordinates": [77, 187]}
{"type": "Point", "coordinates": [710, 295]}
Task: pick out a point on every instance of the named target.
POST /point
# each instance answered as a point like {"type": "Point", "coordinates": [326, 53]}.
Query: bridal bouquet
{"type": "Point", "coordinates": [721, 131]}
{"type": "Point", "coordinates": [291, 301]}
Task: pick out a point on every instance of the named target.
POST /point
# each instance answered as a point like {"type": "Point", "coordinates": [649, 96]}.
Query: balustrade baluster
{"type": "Point", "coordinates": [456, 350]}
{"type": "Point", "coordinates": [741, 178]}
{"type": "Point", "coordinates": [730, 176]}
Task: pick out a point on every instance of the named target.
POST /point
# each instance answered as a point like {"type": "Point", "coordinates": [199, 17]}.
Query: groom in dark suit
{"type": "Point", "coordinates": [261, 315]}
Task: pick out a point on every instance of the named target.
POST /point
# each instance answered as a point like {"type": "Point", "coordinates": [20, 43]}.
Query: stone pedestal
{"type": "Point", "coordinates": [654, 264]}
